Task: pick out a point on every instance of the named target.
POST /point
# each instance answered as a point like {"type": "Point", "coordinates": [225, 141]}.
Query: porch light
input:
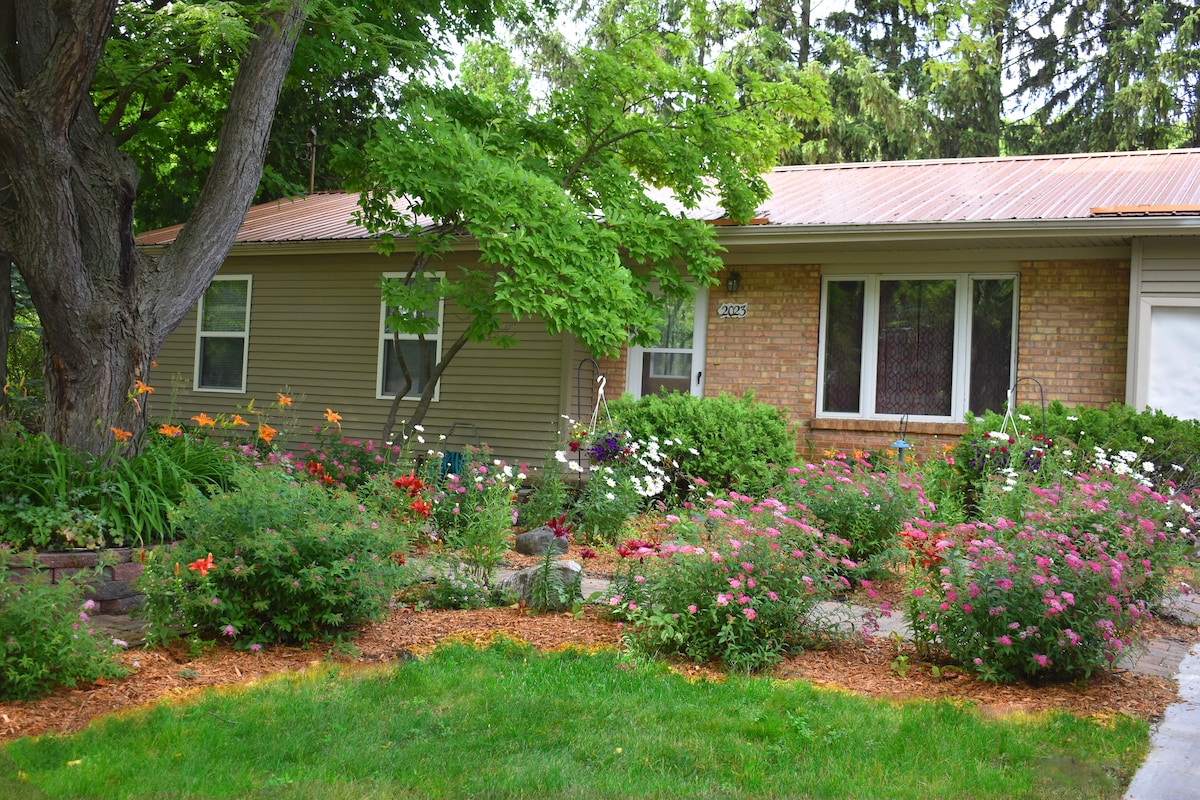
{"type": "Point", "coordinates": [733, 282]}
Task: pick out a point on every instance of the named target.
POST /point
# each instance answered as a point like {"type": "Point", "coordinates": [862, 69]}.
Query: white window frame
{"type": "Point", "coordinates": [960, 381]}
{"type": "Point", "coordinates": [385, 341]}
{"type": "Point", "coordinates": [633, 365]}
{"type": "Point", "coordinates": [243, 334]}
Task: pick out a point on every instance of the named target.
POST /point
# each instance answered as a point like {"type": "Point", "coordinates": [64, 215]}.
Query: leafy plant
{"type": "Point", "coordinates": [735, 584]}
{"type": "Point", "coordinates": [728, 442]}
{"type": "Point", "coordinates": [549, 592]}
{"type": "Point", "coordinates": [475, 512]}
{"type": "Point", "coordinates": [1055, 591]}
{"type": "Point", "coordinates": [46, 636]}
{"type": "Point", "coordinates": [272, 560]}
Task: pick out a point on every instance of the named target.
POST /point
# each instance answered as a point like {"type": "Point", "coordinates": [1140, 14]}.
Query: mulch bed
{"type": "Point", "coordinates": [172, 674]}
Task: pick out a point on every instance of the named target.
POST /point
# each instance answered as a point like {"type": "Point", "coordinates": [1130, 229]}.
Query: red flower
{"type": "Point", "coordinates": [410, 483]}
{"type": "Point", "coordinates": [422, 507]}
{"type": "Point", "coordinates": [587, 552]}
{"type": "Point", "coordinates": [560, 526]}
{"type": "Point", "coordinates": [202, 565]}
{"type": "Point", "coordinates": [398, 559]}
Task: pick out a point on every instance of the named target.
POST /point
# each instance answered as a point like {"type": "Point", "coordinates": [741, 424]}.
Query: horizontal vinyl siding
{"type": "Point", "coordinates": [1171, 267]}
{"type": "Point", "coordinates": [314, 334]}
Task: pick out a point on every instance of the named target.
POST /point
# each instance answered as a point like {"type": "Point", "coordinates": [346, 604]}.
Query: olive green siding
{"type": "Point", "coordinates": [314, 334]}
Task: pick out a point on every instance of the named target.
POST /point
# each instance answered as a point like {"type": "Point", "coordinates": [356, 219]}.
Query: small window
{"type": "Point", "coordinates": [223, 335]}
{"type": "Point", "coordinates": [925, 347]}
{"type": "Point", "coordinates": [420, 356]}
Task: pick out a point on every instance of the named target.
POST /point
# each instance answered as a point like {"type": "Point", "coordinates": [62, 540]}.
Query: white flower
{"type": "Point", "coordinates": [1147, 440]}
{"type": "Point", "coordinates": [1127, 455]}
{"type": "Point", "coordinates": [419, 428]}
{"type": "Point", "coordinates": [421, 439]}
{"type": "Point", "coordinates": [560, 456]}
{"type": "Point", "coordinates": [693, 451]}
{"type": "Point", "coordinates": [1177, 468]}
{"type": "Point", "coordinates": [998, 435]}
{"type": "Point", "coordinates": [1147, 467]}
{"type": "Point", "coordinates": [610, 496]}
{"type": "Point", "coordinates": [609, 480]}
{"type": "Point", "coordinates": [1067, 453]}
{"type": "Point", "coordinates": [1073, 419]}
{"type": "Point", "coordinates": [521, 476]}
{"type": "Point", "coordinates": [1024, 417]}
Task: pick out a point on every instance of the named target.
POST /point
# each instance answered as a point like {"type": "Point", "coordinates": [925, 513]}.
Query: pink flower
{"type": "Point", "coordinates": [723, 599]}
{"type": "Point", "coordinates": [966, 607]}
{"type": "Point", "coordinates": [734, 583]}
{"type": "Point", "coordinates": [772, 596]}
{"type": "Point", "coordinates": [1004, 584]}
{"type": "Point", "coordinates": [254, 648]}
{"type": "Point", "coordinates": [1004, 640]}
{"type": "Point", "coordinates": [1042, 660]}
{"type": "Point", "coordinates": [750, 613]}
{"type": "Point", "coordinates": [228, 630]}
{"type": "Point", "coordinates": [692, 609]}
{"type": "Point", "coordinates": [918, 592]}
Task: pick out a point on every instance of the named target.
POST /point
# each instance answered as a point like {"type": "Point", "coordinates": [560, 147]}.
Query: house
{"type": "Point", "coordinates": [866, 299]}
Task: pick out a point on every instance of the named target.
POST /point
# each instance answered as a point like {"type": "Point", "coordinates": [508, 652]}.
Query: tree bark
{"type": "Point", "coordinates": [7, 315]}
{"type": "Point", "coordinates": [105, 307]}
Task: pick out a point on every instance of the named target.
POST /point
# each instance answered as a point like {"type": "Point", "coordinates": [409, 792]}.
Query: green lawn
{"type": "Point", "coordinates": [510, 722]}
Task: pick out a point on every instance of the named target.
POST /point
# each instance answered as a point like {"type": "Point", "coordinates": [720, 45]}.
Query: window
{"type": "Point", "coordinates": [927, 347]}
{"type": "Point", "coordinates": [419, 356]}
{"type": "Point", "coordinates": [676, 362]}
{"type": "Point", "coordinates": [223, 335]}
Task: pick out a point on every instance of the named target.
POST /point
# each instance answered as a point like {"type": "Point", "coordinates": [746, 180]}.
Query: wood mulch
{"type": "Point", "coordinates": [172, 674]}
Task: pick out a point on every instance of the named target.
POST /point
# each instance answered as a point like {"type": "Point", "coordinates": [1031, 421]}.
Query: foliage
{"type": "Point", "coordinates": [273, 560]}
{"type": "Point", "coordinates": [556, 192]}
{"type": "Point", "coordinates": [454, 587]}
{"type": "Point", "coordinates": [1072, 435]}
{"type": "Point", "coordinates": [474, 513]}
{"type": "Point", "coordinates": [734, 584]}
{"type": "Point", "coordinates": [1055, 591]}
{"type": "Point", "coordinates": [54, 498]}
{"type": "Point", "coordinates": [730, 443]}
{"type": "Point", "coordinates": [856, 502]}
{"type": "Point", "coordinates": [535, 716]}
{"type": "Point", "coordinates": [347, 462]}
{"type": "Point", "coordinates": [549, 496]}
{"type": "Point", "coordinates": [548, 591]}
{"type": "Point", "coordinates": [46, 637]}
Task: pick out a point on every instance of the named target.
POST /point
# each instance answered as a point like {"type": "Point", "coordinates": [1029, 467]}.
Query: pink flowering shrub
{"type": "Point", "coordinates": [733, 583]}
{"type": "Point", "coordinates": [1054, 594]}
{"type": "Point", "coordinates": [856, 502]}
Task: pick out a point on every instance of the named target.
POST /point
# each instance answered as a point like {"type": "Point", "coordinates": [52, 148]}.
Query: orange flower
{"type": "Point", "coordinates": [335, 418]}
{"type": "Point", "coordinates": [422, 507]}
{"type": "Point", "coordinates": [170, 430]}
{"type": "Point", "coordinates": [236, 419]}
{"type": "Point", "coordinates": [284, 400]}
{"type": "Point", "coordinates": [203, 420]}
{"type": "Point", "coordinates": [141, 388]}
{"type": "Point", "coordinates": [120, 435]}
{"type": "Point", "coordinates": [202, 565]}
{"type": "Point", "coordinates": [266, 432]}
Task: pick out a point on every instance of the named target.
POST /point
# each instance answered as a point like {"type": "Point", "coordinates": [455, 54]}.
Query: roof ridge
{"type": "Point", "coordinates": [984, 159]}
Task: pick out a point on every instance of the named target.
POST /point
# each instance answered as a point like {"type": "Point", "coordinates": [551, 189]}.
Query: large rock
{"type": "Point", "coordinates": [567, 574]}
{"type": "Point", "coordinates": [536, 541]}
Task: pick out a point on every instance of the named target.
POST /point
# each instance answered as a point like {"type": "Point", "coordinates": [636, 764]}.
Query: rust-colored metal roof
{"type": "Point", "coordinates": [978, 190]}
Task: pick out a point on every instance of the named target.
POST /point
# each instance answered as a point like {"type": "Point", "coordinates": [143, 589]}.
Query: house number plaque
{"type": "Point", "coordinates": [731, 310]}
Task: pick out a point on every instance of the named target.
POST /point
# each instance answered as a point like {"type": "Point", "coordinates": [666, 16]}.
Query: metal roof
{"type": "Point", "coordinates": [1027, 189]}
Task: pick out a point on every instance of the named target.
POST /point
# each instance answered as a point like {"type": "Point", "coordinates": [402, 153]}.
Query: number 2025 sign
{"type": "Point", "coordinates": [731, 310]}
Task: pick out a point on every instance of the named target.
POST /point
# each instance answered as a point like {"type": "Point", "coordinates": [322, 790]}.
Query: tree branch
{"type": "Point", "coordinates": [65, 75]}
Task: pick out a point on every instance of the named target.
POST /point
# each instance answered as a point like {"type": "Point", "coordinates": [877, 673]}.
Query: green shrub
{"type": "Point", "coordinates": [274, 560]}
{"type": "Point", "coordinates": [1170, 445]}
{"type": "Point", "coordinates": [53, 498]}
{"type": "Point", "coordinates": [735, 583]}
{"type": "Point", "coordinates": [1055, 589]}
{"type": "Point", "coordinates": [46, 638]}
{"type": "Point", "coordinates": [851, 501]}
{"type": "Point", "coordinates": [729, 442]}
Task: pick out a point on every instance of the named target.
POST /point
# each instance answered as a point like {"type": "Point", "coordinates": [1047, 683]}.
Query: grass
{"type": "Point", "coordinates": [510, 722]}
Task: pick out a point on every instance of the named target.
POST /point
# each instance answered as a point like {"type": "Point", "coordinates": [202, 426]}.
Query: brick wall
{"type": "Point", "coordinates": [1073, 331]}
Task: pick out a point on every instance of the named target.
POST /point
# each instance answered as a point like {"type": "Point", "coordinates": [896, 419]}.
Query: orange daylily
{"type": "Point", "coordinates": [266, 432]}
{"type": "Point", "coordinates": [284, 400]}
{"type": "Point", "coordinates": [236, 419]}
{"type": "Point", "coordinates": [170, 430]}
{"type": "Point", "coordinates": [139, 387]}
{"type": "Point", "coordinates": [332, 416]}
{"type": "Point", "coordinates": [202, 565]}
{"type": "Point", "coordinates": [120, 435]}
{"type": "Point", "coordinates": [203, 420]}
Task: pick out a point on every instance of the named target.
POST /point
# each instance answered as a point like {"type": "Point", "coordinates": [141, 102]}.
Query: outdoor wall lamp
{"type": "Point", "coordinates": [733, 282]}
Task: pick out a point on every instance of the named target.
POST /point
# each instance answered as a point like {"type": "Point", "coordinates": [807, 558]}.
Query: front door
{"type": "Point", "coordinates": [676, 362]}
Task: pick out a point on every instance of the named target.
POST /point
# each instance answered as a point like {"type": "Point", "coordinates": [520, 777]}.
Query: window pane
{"type": "Point", "coordinates": [991, 344]}
{"type": "Point", "coordinates": [420, 359]}
{"type": "Point", "coordinates": [679, 322]}
{"type": "Point", "coordinates": [915, 372]}
{"type": "Point", "coordinates": [843, 345]}
{"type": "Point", "coordinates": [221, 363]}
{"type": "Point", "coordinates": [225, 306]}
{"type": "Point", "coordinates": [666, 372]}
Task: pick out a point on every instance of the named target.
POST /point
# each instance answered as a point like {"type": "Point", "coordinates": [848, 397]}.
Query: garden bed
{"type": "Point", "coordinates": [173, 674]}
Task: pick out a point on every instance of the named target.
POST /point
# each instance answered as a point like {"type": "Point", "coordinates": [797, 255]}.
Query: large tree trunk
{"type": "Point", "coordinates": [105, 307]}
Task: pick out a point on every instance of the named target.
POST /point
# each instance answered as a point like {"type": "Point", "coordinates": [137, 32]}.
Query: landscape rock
{"type": "Point", "coordinates": [520, 584]}
{"type": "Point", "coordinates": [535, 542]}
